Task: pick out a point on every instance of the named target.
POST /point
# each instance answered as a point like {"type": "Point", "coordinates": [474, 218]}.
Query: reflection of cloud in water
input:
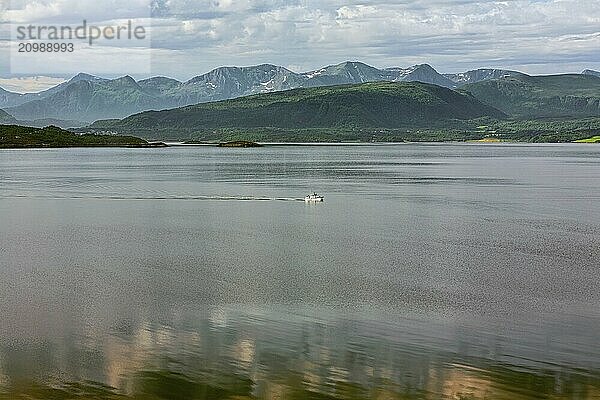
{"type": "Point", "coordinates": [285, 357]}
{"type": "Point", "coordinates": [459, 382]}
{"type": "Point", "coordinates": [119, 360]}
{"type": "Point", "coordinates": [3, 378]}
{"type": "Point", "coordinates": [274, 391]}
{"type": "Point", "coordinates": [243, 351]}
{"type": "Point", "coordinates": [218, 318]}
{"type": "Point", "coordinates": [125, 355]}
{"type": "Point", "coordinates": [292, 357]}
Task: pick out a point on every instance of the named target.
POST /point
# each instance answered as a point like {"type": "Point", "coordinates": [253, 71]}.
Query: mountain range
{"type": "Point", "coordinates": [375, 111]}
{"type": "Point", "coordinates": [86, 98]}
{"type": "Point", "coordinates": [591, 72]}
{"type": "Point", "coordinates": [554, 96]}
{"type": "Point", "coordinates": [383, 105]}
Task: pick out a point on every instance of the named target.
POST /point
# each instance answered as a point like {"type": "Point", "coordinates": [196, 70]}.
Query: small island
{"type": "Point", "coordinates": [239, 143]}
{"type": "Point", "coordinates": [23, 137]}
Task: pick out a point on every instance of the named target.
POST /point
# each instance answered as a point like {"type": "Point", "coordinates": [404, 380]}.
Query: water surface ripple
{"type": "Point", "coordinates": [444, 271]}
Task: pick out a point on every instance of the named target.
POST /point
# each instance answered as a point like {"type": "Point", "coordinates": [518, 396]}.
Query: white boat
{"type": "Point", "coordinates": [313, 198]}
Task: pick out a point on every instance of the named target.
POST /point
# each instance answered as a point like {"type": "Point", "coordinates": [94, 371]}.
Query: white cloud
{"type": "Point", "coordinates": [193, 36]}
{"type": "Point", "coordinates": [358, 11]}
{"type": "Point", "coordinates": [29, 84]}
{"type": "Point", "coordinates": [73, 11]}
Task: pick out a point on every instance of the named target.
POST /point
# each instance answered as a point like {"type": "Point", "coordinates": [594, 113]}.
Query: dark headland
{"type": "Point", "coordinates": [20, 137]}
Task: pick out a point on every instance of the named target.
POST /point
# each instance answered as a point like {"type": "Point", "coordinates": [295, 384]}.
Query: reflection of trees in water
{"type": "Point", "coordinates": [237, 356]}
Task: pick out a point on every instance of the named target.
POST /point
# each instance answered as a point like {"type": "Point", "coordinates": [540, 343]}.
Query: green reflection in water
{"type": "Point", "coordinates": [453, 382]}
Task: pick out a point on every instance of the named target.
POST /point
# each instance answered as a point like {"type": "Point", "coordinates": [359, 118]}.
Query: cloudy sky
{"type": "Point", "coordinates": [190, 37]}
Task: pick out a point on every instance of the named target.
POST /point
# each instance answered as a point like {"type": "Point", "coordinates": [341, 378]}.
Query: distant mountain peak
{"type": "Point", "coordinates": [424, 66]}
{"type": "Point", "coordinates": [82, 76]}
{"type": "Point", "coordinates": [125, 78]}
{"type": "Point", "coordinates": [354, 64]}
{"type": "Point", "coordinates": [420, 72]}
{"type": "Point", "coordinates": [159, 79]}
{"type": "Point", "coordinates": [124, 81]}
{"type": "Point", "coordinates": [343, 73]}
{"type": "Point", "coordinates": [265, 66]}
{"type": "Point", "coordinates": [481, 74]}
{"type": "Point", "coordinates": [591, 72]}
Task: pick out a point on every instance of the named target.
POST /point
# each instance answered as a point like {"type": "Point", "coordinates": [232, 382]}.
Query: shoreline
{"type": "Point", "coordinates": [133, 146]}
{"type": "Point", "coordinates": [295, 144]}
{"type": "Point", "coordinates": [342, 144]}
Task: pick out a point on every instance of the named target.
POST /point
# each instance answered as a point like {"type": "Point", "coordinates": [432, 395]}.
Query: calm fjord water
{"type": "Point", "coordinates": [430, 271]}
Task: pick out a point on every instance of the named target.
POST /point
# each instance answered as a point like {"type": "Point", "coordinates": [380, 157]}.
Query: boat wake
{"type": "Point", "coordinates": [121, 197]}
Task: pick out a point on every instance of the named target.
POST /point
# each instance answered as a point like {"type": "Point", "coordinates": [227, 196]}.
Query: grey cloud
{"type": "Point", "coordinates": [190, 37]}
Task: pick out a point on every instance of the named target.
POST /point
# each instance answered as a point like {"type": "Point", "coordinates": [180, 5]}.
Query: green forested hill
{"type": "Point", "coordinates": [15, 136]}
{"type": "Point", "coordinates": [525, 96]}
{"type": "Point", "coordinates": [386, 111]}
{"type": "Point", "coordinates": [370, 105]}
